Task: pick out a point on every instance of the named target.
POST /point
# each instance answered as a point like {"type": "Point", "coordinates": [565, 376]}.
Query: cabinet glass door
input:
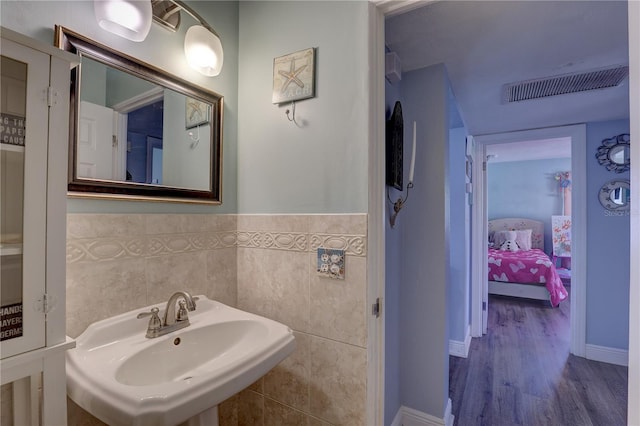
{"type": "Point", "coordinates": [23, 183]}
{"type": "Point", "coordinates": [13, 96]}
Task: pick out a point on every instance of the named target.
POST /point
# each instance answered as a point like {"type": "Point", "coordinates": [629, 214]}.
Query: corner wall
{"type": "Point", "coordinates": [460, 243]}
{"type": "Point", "coordinates": [319, 164]}
{"type": "Point", "coordinates": [608, 248]}
{"type": "Point", "coordinates": [424, 292]}
{"type": "Point", "coordinates": [325, 379]}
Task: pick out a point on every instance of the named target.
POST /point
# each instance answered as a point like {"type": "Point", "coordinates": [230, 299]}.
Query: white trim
{"type": "Point", "coordinates": [579, 225]}
{"type": "Point", "coordinates": [479, 234]}
{"type": "Point", "coordinates": [409, 417]}
{"type": "Point", "coordinates": [139, 101]}
{"type": "Point", "coordinates": [461, 349]}
{"type": "Point", "coordinates": [633, 410]}
{"type": "Point", "coordinates": [578, 316]}
{"type": "Point", "coordinates": [376, 220]}
{"type": "Point", "coordinates": [397, 420]}
{"type": "Point", "coordinates": [605, 354]}
{"type": "Point", "coordinates": [32, 43]}
{"type": "Point", "coordinates": [394, 7]}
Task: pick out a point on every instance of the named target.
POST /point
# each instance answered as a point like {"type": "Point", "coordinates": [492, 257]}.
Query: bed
{"type": "Point", "coordinates": [526, 272]}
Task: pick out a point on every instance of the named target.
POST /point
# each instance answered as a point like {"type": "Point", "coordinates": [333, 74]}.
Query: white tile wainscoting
{"type": "Point", "coordinates": [265, 264]}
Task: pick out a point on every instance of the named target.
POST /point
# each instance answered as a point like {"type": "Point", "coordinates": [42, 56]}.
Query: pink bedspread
{"type": "Point", "coordinates": [527, 267]}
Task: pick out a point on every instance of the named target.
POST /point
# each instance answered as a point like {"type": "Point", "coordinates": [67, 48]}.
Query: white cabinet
{"type": "Point", "coordinates": [34, 117]}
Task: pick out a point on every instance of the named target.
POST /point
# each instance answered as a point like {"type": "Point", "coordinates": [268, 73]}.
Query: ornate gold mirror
{"type": "Point", "coordinates": [138, 132]}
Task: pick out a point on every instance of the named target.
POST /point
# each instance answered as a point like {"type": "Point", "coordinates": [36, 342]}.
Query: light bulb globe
{"type": "Point", "coordinates": [130, 19]}
{"type": "Point", "coordinates": [203, 51]}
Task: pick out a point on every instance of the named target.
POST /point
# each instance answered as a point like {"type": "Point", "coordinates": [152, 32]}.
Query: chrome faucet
{"type": "Point", "coordinates": [171, 321]}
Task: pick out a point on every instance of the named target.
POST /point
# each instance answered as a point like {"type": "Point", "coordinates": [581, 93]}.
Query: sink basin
{"type": "Point", "coordinates": [122, 377]}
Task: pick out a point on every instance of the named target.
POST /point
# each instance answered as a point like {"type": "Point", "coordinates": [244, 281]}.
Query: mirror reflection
{"type": "Point", "coordinates": [619, 154]}
{"type": "Point", "coordinates": [615, 195]}
{"type": "Point", "coordinates": [161, 130]}
{"type": "Point", "coordinates": [614, 153]}
{"type": "Point", "coordinates": [620, 195]}
{"type": "Point", "coordinates": [138, 132]}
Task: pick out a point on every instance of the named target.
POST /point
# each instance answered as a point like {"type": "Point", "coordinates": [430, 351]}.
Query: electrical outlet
{"type": "Point", "coordinates": [331, 263]}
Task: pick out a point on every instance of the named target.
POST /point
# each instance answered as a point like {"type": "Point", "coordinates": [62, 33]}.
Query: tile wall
{"type": "Point", "coordinates": [264, 264]}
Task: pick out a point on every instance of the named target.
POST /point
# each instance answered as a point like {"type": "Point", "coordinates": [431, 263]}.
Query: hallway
{"type": "Point", "coordinates": [521, 373]}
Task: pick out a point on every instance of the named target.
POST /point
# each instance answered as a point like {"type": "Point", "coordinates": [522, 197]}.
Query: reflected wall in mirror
{"type": "Point", "coordinates": [615, 195]}
{"type": "Point", "coordinates": [138, 132]}
{"type": "Point", "coordinates": [614, 153]}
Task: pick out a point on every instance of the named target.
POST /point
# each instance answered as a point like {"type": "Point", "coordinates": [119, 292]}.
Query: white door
{"type": "Point", "coordinates": [96, 148]}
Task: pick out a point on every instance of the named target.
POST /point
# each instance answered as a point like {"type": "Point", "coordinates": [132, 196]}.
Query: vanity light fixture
{"type": "Point", "coordinates": [202, 45]}
{"type": "Point", "coordinates": [130, 19]}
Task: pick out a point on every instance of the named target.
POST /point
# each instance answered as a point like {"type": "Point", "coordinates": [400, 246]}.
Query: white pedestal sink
{"type": "Point", "coordinates": [124, 378]}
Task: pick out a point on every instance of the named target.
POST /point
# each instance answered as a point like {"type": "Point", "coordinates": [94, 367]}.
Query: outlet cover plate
{"type": "Point", "coordinates": [331, 263]}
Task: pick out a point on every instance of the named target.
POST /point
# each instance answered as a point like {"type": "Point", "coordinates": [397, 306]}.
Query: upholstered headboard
{"type": "Point", "coordinates": [515, 223]}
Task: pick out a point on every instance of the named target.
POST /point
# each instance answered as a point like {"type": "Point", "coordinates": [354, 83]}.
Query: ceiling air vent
{"type": "Point", "coordinates": [562, 84]}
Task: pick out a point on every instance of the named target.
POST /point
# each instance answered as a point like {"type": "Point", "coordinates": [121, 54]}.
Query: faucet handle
{"type": "Point", "coordinates": [183, 314]}
{"type": "Point", "coordinates": [154, 322]}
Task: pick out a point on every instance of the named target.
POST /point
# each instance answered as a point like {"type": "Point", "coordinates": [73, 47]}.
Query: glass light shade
{"type": "Point", "coordinates": [130, 19]}
{"type": "Point", "coordinates": [203, 50]}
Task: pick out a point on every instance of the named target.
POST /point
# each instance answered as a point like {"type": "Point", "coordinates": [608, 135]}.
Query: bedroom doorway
{"type": "Point", "coordinates": [483, 144]}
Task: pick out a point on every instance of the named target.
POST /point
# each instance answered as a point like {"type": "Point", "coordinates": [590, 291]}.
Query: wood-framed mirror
{"type": "Point", "coordinates": [137, 132]}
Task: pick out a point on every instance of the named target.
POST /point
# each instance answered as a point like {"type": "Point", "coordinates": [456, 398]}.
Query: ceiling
{"type": "Point", "coordinates": [487, 44]}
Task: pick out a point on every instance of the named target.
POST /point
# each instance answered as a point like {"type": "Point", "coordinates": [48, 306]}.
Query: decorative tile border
{"type": "Point", "coordinates": [105, 249]}
{"type": "Point", "coordinates": [109, 248]}
{"type": "Point", "coordinates": [100, 249]}
{"type": "Point", "coordinates": [355, 245]}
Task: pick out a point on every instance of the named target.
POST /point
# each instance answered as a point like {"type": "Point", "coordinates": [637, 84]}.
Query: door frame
{"type": "Point", "coordinates": [376, 220]}
{"type": "Point", "coordinates": [578, 136]}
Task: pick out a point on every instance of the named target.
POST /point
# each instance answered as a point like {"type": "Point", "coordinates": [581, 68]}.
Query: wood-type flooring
{"type": "Point", "coordinates": [521, 373]}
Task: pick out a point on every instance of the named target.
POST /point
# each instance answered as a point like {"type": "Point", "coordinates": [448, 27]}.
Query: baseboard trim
{"type": "Point", "coordinates": [461, 349]}
{"type": "Point", "coordinates": [605, 354]}
{"type": "Point", "coordinates": [409, 417]}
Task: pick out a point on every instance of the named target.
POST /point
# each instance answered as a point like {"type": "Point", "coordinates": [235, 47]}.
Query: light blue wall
{"type": "Point", "coordinates": [319, 165]}
{"type": "Point", "coordinates": [607, 250]}
{"type": "Point", "coordinates": [162, 49]}
{"type": "Point", "coordinates": [425, 278]}
{"type": "Point", "coordinates": [393, 280]}
{"type": "Point", "coordinates": [459, 237]}
{"type": "Point", "coordinates": [526, 189]}
{"type": "Point", "coordinates": [94, 81]}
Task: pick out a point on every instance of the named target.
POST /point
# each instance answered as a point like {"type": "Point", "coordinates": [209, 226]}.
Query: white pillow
{"type": "Point", "coordinates": [523, 238]}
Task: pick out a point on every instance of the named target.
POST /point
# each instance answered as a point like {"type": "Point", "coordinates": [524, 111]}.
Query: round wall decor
{"type": "Point", "coordinates": [614, 153]}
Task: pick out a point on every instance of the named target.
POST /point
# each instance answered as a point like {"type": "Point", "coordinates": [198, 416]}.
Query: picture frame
{"type": "Point", "coordinates": [394, 148]}
{"type": "Point", "coordinates": [197, 113]}
{"type": "Point", "coordinates": [294, 76]}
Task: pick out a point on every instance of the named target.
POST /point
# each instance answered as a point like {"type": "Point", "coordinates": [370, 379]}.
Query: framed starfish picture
{"type": "Point", "coordinates": [196, 113]}
{"type": "Point", "coordinates": [294, 76]}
